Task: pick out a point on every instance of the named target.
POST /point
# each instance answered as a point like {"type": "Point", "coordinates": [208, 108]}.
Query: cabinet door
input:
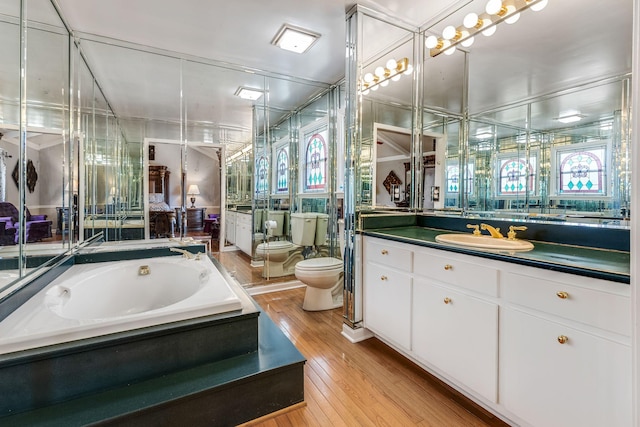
{"type": "Point", "coordinates": [458, 334]}
{"type": "Point", "coordinates": [583, 382]}
{"type": "Point", "coordinates": [387, 303]}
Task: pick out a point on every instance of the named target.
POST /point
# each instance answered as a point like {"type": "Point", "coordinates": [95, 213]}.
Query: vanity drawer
{"type": "Point", "coordinates": [456, 270]}
{"type": "Point", "coordinates": [594, 307]}
{"type": "Point", "coordinates": [384, 252]}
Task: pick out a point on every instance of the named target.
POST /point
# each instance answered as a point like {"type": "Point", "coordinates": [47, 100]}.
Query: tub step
{"type": "Point", "coordinates": [227, 392]}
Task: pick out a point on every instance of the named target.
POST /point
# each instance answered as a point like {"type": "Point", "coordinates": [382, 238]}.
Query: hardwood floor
{"type": "Point", "coordinates": [364, 384]}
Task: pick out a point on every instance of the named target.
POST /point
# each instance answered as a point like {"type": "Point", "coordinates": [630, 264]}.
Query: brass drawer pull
{"type": "Point", "coordinates": [384, 252]}
{"type": "Point", "coordinates": [447, 300]}
{"type": "Point", "coordinates": [383, 277]}
{"type": "Point", "coordinates": [448, 267]}
{"type": "Point", "coordinates": [562, 295]}
{"type": "Point", "coordinates": [563, 339]}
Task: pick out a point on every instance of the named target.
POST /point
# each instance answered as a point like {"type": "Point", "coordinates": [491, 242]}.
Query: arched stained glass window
{"type": "Point", "coordinates": [453, 178]}
{"type": "Point", "coordinates": [517, 176]}
{"type": "Point", "coordinates": [582, 172]}
{"type": "Point", "coordinates": [262, 174]}
{"type": "Point", "coordinates": [315, 177]}
{"type": "Point", "coordinates": [282, 172]}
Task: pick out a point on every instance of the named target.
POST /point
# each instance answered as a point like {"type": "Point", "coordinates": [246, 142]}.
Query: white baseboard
{"type": "Point", "coordinates": [356, 335]}
{"type": "Point", "coordinates": [275, 287]}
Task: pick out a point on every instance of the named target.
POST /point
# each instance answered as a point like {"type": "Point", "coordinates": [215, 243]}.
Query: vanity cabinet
{"type": "Point", "coordinates": [387, 295]}
{"type": "Point", "coordinates": [230, 227]}
{"type": "Point", "coordinates": [565, 354]}
{"type": "Point", "coordinates": [243, 232]}
{"type": "Point", "coordinates": [539, 347]}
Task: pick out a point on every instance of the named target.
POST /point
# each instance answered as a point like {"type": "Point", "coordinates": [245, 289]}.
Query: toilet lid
{"type": "Point", "coordinates": [322, 263]}
{"type": "Point", "coordinates": [276, 244]}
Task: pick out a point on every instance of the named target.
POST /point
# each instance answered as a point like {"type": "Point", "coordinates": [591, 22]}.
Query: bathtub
{"type": "Point", "coordinates": [90, 300]}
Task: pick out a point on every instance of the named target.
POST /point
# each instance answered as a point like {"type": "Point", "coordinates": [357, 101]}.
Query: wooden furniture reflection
{"type": "Point", "coordinates": [195, 219]}
{"type": "Point", "coordinates": [162, 218]}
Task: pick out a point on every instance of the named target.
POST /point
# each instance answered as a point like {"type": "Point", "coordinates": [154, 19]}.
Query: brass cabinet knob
{"type": "Point", "coordinates": [384, 252]}
{"type": "Point", "coordinates": [562, 294]}
{"type": "Point", "coordinates": [383, 277]}
{"type": "Point", "coordinates": [448, 267]}
{"type": "Point", "coordinates": [563, 339]}
{"type": "Point", "coordinates": [447, 300]}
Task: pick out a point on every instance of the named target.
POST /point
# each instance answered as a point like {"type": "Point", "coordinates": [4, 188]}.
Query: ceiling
{"type": "Point", "coordinates": [145, 53]}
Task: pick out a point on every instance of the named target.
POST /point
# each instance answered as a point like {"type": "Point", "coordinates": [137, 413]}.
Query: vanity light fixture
{"type": "Point", "coordinates": [294, 39]}
{"type": "Point", "coordinates": [392, 71]}
{"type": "Point", "coordinates": [248, 93]}
{"type": "Point", "coordinates": [496, 11]}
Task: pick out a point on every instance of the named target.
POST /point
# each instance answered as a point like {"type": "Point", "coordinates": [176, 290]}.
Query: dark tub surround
{"type": "Point", "coordinates": [590, 251]}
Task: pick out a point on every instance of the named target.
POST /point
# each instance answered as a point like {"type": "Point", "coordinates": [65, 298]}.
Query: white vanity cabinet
{"type": "Point", "coordinates": [536, 346]}
{"type": "Point", "coordinates": [564, 356]}
{"type": "Point", "coordinates": [387, 293]}
{"type": "Point", "coordinates": [455, 318]}
{"type": "Point", "coordinates": [243, 232]}
{"type": "Point", "coordinates": [230, 227]}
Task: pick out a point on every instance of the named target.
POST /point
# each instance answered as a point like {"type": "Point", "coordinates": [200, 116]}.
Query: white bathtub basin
{"type": "Point", "coordinates": [484, 242]}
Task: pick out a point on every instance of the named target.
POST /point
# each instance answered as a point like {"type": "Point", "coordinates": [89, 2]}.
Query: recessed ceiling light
{"type": "Point", "coordinates": [572, 118]}
{"type": "Point", "coordinates": [248, 93]}
{"type": "Point", "coordinates": [294, 39]}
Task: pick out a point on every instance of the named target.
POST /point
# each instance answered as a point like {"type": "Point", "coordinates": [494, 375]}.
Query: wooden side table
{"type": "Point", "coordinates": [195, 219]}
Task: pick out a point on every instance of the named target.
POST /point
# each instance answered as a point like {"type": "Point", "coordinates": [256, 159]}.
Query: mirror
{"type": "Point", "coordinates": [507, 151]}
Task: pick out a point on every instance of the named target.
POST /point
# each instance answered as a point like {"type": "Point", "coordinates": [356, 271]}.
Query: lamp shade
{"type": "Point", "coordinates": [193, 189]}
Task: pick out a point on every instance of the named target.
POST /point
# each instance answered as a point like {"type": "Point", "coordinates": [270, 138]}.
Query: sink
{"type": "Point", "coordinates": [484, 242]}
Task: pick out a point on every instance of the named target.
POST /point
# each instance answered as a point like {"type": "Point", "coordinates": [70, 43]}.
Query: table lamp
{"type": "Point", "coordinates": [193, 191]}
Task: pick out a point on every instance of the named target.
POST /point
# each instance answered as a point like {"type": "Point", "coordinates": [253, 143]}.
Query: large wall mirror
{"type": "Point", "coordinates": [529, 128]}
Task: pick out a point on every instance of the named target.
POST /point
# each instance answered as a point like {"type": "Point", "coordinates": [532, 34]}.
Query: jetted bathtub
{"type": "Point", "coordinates": [90, 300]}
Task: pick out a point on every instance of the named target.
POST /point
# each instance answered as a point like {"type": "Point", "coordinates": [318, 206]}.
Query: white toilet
{"type": "Point", "coordinates": [277, 254]}
{"type": "Point", "coordinates": [323, 275]}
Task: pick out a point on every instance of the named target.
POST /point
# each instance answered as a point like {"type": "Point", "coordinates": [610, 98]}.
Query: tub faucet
{"type": "Point", "coordinates": [495, 232]}
{"type": "Point", "coordinates": [185, 253]}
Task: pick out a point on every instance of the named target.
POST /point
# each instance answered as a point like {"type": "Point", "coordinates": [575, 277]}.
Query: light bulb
{"type": "Point", "coordinates": [512, 18]}
{"type": "Point", "coordinates": [384, 83]}
{"type": "Point", "coordinates": [365, 92]}
{"type": "Point", "coordinates": [396, 77]}
{"type": "Point", "coordinates": [368, 78]}
{"type": "Point", "coordinates": [409, 70]}
{"type": "Point", "coordinates": [392, 64]}
{"type": "Point", "coordinates": [431, 42]}
{"type": "Point", "coordinates": [450, 50]}
{"type": "Point", "coordinates": [379, 72]}
{"type": "Point", "coordinates": [471, 20]}
{"type": "Point", "coordinates": [374, 88]}
{"type": "Point", "coordinates": [489, 31]}
{"type": "Point", "coordinates": [468, 42]}
{"type": "Point", "coordinates": [493, 7]}
{"type": "Point", "coordinates": [539, 6]}
{"type": "Point", "coordinates": [449, 32]}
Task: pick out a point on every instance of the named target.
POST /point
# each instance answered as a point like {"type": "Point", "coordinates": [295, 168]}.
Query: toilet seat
{"type": "Point", "coordinates": [319, 264]}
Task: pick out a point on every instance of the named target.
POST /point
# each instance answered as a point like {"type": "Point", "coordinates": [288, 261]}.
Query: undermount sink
{"type": "Point", "coordinates": [484, 242]}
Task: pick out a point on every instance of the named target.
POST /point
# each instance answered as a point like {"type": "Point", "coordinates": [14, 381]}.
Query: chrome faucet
{"type": "Point", "coordinates": [185, 253]}
{"type": "Point", "coordinates": [495, 232]}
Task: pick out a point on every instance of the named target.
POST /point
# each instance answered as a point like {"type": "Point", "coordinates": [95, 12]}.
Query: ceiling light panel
{"type": "Point", "coordinates": [248, 93]}
{"type": "Point", "coordinates": [294, 39]}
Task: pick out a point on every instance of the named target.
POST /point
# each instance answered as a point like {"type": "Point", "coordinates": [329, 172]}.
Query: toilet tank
{"type": "Point", "coordinates": [278, 217]}
{"type": "Point", "coordinates": [322, 225]}
{"type": "Point", "coordinates": [303, 228]}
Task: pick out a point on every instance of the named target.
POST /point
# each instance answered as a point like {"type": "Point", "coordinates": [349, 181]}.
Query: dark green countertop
{"type": "Point", "coordinates": [590, 262]}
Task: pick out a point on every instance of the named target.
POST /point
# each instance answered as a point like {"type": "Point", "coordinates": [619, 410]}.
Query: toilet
{"type": "Point", "coordinates": [322, 275]}
{"type": "Point", "coordinates": [277, 254]}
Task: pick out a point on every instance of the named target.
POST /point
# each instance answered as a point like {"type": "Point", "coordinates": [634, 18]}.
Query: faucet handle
{"type": "Point", "coordinates": [476, 229]}
{"type": "Point", "coordinates": [511, 235]}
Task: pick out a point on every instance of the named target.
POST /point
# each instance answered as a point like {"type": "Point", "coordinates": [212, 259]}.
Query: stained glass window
{"type": "Point", "coordinates": [517, 175]}
{"type": "Point", "coordinates": [282, 171]}
{"type": "Point", "coordinates": [582, 170]}
{"type": "Point", "coordinates": [453, 178]}
{"type": "Point", "coordinates": [315, 177]}
{"type": "Point", "coordinates": [262, 171]}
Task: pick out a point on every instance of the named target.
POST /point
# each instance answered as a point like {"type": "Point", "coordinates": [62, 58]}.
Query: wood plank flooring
{"type": "Point", "coordinates": [364, 384]}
